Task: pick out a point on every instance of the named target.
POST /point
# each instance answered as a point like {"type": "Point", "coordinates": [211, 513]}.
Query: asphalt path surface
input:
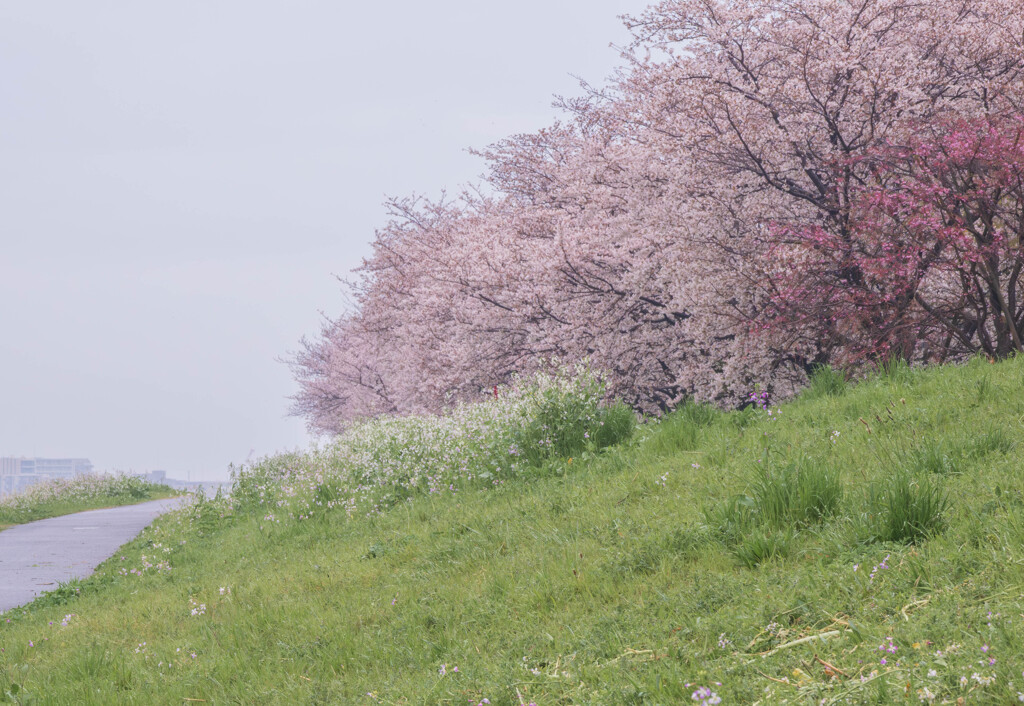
{"type": "Point", "coordinates": [38, 556]}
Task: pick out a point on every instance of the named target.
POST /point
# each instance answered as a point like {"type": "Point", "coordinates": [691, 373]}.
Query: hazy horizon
{"type": "Point", "coordinates": [181, 184]}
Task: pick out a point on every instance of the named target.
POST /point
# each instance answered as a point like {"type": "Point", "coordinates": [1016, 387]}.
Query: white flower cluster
{"type": "Point", "coordinates": [387, 459]}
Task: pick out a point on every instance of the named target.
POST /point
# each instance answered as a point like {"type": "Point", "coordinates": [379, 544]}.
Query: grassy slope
{"type": "Point", "coordinates": [19, 516]}
{"type": "Point", "coordinates": [596, 586]}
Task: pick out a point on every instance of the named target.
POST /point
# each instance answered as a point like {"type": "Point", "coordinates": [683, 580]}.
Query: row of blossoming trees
{"type": "Point", "coordinates": [765, 186]}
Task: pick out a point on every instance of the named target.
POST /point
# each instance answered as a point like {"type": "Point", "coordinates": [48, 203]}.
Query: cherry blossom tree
{"type": "Point", "coordinates": [661, 226]}
{"type": "Point", "coordinates": [763, 108]}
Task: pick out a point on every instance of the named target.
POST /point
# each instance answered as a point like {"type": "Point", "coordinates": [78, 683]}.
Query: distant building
{"type": "Point", "coordinates": [17, 473]}
{"type": "Point", "coordinates": [10, 473]}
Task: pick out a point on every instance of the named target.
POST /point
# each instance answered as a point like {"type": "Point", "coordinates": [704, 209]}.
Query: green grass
{"type": "Point", "coordinates": [908, 509]}
{"type": "Point", "coordinates": [12, 514]}
{"type": "Point", "coordinates": [698, 553]}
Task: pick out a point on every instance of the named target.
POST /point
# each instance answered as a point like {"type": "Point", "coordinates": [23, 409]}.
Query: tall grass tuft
{"type": "Point", "coordinates": [825, 382]}
{"type": "Point", "coordinates": [699, 414]}
{"type": "Point", "coordinates": [894, 369]}
{"type": "Point", "coordinates": [761, 546]}
{"type": "Point", "coordinates": [983, 387]}
{"type": "Point", "coordinates": [783, 498]}
{"type": "Point", "coordinates": [799, 492]}
{"type": "Point", "coordinates": [674, 434]}
{"type": "Point", "coordinates": [615, 424]}
{"type": "Point", "coordinates": [732, 519]}
{"type": "Point", "coordinates": [681, 430]}
{"type": "Point", "coordinates": [992, 441]}
{"type": "Point", "coordinates": [933, 457]}
{"type": "Point", "coordinates": [908, 508]}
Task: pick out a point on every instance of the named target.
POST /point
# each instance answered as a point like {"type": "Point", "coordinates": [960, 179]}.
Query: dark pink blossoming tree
{"type": "Point", "coordinates": [932, 263]}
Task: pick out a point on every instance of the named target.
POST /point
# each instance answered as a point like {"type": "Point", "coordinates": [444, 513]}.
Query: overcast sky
{"type": "Point", "coordinates": [181, 181]}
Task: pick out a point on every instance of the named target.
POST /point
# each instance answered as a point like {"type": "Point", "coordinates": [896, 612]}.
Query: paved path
{"type": "Point", "coordinates": [36, 557]}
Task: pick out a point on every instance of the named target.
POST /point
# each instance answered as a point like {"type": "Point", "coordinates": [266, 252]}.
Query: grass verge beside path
{"type": "Point", "coordinates": [860, 545]}
{"type": "Point", "coordinates": [65, 497]}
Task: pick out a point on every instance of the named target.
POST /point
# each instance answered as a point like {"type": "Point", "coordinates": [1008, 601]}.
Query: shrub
{"type": "Point", "coordinates": [561, 419]}
{"type": "Point", "coordinates": [251, 484]}
{"type": "Point", "coordinates": [128, 486]}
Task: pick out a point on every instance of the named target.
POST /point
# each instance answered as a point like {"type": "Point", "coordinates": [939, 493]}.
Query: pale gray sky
{"type": "Point", "coordinates": [180, 181]}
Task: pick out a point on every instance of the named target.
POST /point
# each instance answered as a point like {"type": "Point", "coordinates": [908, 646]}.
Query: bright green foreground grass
{"type": "Point", "coordinates": [636, 577]}
{"type": "Point", "coordinates": [57, 498]}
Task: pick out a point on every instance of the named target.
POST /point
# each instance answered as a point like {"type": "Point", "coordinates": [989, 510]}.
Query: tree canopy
{"type": "Point", "coordinates": [767, 185]}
